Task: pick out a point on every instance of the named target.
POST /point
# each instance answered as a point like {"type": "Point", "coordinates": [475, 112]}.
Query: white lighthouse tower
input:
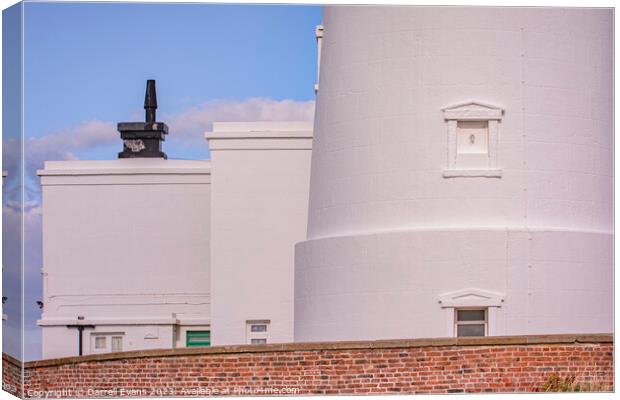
{"type": "Point", "coordinates": [461, 178]}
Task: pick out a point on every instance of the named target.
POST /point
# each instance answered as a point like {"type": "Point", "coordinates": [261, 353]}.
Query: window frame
{"type": "Point", "coordinates": [107, 338]}
{"type": "Point", "coordinates": [484, 322]}
{"type": "Point", "coordinates": [473, 298]}
{"type": "Point", "coordinates": [112, 339]}
{"type": "Point", "coordinates": [472, 165]}
{"type": "Point", "coordinates": [198, 334]}
{"type": "Point", "coordinates": [251, 335]}
{"type": "Point", "coordinates": [101, 338]}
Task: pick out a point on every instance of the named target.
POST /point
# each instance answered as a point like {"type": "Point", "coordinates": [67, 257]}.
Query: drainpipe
{"type": "Point", "coordinates": [80, 328]}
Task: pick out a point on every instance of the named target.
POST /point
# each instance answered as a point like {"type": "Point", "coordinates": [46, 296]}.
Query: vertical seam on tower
{"type": "Point", "coordinates": [524, 168]}
{"type": "Point", "coordinates": [523, 133]}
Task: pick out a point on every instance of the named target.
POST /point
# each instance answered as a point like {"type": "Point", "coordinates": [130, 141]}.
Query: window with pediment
{"type": "Point", "coordinates": [473, 132]}
{"type": "Point", "coordinates": [471, 312]}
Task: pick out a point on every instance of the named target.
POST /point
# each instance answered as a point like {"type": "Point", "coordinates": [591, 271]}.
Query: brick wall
{"type": "Point", "coordinates": [11, 375]}
{"type": "Point", "coordinates": [447, 365]}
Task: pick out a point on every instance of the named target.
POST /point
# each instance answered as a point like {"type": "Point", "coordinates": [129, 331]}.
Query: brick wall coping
{"type": "Point", "coordinates": [313, 346]}
{"type": "Point", "coordinates": [12, 360]}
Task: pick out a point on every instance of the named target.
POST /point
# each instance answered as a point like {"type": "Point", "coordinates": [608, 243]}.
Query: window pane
{"type": "Point", "coordinates": [117, 343]}
{"type": "Point", "coordinates": [100, 342]}
{"type": "Point", "coordinates": [199, 334]}
{"type": "Point", "coordinates": [193, 339]}
{"type": "Point", "coordinates": [470, 330]}
{"type": "Point", "coordinates": [470, 315]}
{"type": "Point", "coordinates": [259, 328]}
{"type": "Point", "coordinates": [198, 338]}
{"type": "Point", "coordinates": [259, 341]}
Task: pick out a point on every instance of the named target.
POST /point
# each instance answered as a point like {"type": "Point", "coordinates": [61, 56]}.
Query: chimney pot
{"type": "Point", "coordinates": [143, 139]}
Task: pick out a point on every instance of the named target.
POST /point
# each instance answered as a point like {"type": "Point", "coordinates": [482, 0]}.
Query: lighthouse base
{"type": "Point", "coordinates": [408, 284]}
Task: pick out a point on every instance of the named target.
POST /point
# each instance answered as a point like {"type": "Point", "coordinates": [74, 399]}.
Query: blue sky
{"type": "Point", "coordinates": [87, 62]}
{"type": "Point", "coordinates": [85, 69]}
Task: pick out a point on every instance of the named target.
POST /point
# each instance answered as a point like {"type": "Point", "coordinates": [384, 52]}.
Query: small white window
{"type": "Point", "coordinates": [257, 332]}
{"type": "Point", "coordinates": [100, 342]}
{"type": "Point", "coordinates": [472, 141]}
{"type": "Point", "coordinates": [117, 343]}
{"type": "Point", "coordinates": [470, 322]}
{"type": "Point", "coordinates": [106, 342]}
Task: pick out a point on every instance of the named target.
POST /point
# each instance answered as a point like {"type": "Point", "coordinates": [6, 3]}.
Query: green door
{"type": "Point", "coordinates": [198, 338]}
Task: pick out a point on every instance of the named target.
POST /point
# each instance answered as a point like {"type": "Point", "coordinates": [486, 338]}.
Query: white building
{"type": "Point", "coordinates": [144, 253]}
{"type": "Point", "coordinates": [126, 253]}
{"type": "Point", "coordinates": [259, 208]}
{"type": "Point", "coordinates": [459, 182]}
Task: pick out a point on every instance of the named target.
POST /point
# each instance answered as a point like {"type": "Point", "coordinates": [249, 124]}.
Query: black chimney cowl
{"type": "Point", "coordinates": [143, 139]}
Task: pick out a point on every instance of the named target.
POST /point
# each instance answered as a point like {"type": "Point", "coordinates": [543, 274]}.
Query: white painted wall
{"type": "Point", "coordinates": [126, 246]}
{"type": "Point", "coordinates": [389, 233]}
{"type": "Point", "coordinates": [60, 341]}
{"type": "Point", "coordinates": [259, 211]}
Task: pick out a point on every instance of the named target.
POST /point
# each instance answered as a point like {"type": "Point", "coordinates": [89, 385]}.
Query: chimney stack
{"type": "Point", "coordinates": [143, 139]}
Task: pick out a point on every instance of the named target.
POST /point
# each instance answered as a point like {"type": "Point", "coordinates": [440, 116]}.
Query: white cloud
{"type": "Point", "coordinates": [62, 145]}
{"type": "Point", "coordinates": [59, 145]}
{"type": "Point", "coordinates": [191, 124]}
{"type": "Point", "coordinates": [186, 126]}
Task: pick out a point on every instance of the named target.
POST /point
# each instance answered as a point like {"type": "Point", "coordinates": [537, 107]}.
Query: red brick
{"type": "Point", "coordinates": [331, 370]}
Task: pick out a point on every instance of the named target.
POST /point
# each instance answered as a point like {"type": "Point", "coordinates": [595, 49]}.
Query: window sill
{"type": "Point", "coordinates": [472, 173]}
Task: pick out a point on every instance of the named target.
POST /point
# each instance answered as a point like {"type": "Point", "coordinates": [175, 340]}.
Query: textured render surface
{"type": "Point", "coordinates": [380, 135]}
{"type": "Point", "coordinates": [388, 285]}
{"type": "Point", "coordinates": [501, 364]}
{"type": "Point", "coordinates": [388, 234]}
{"type": "Point", "coordinates": [259, 211]}
{"type": "Point", "coordinates": [126, 246]}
